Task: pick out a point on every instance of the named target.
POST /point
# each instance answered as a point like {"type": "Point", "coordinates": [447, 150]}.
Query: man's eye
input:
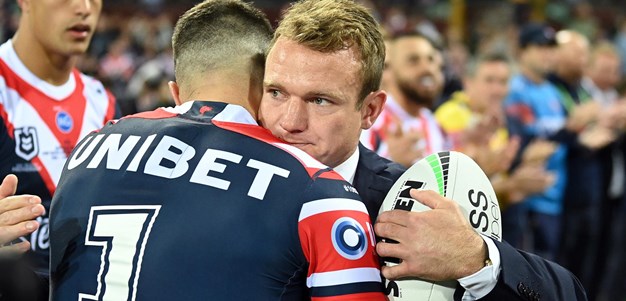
{"type": "Point", "coordinates": [320, 101]}
{"type": "Point", "coordinates": [274, 93]}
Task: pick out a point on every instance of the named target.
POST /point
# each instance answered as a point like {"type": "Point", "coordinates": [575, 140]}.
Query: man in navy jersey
{"type": "Point", "coordinates": [198, 202]}
{"type": "Point", "coordinates": [46, 107]}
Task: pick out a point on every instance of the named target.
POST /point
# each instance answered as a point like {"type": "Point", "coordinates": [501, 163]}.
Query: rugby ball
{"type": "Point", "coordinates": [456, 177]}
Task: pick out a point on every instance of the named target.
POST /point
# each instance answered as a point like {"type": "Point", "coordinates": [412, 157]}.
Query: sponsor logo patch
{"type": "Point", "coordinates": [26, 142]}
{"type": "Point", "coordinates": [64, 121]}
{"type": "Point", "coordinates": [349, 238]}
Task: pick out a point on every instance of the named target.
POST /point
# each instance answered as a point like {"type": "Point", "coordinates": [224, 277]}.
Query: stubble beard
{"type": "Point", "coordinates": [414, 96]}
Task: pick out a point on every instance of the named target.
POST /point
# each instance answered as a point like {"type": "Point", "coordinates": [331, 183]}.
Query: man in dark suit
{"type": "Point", "coordinates": [523, 275]}
{"type": "Point", "coordinates": [317, 100]}
{"type": "Point", "coordinates": [373, 178]}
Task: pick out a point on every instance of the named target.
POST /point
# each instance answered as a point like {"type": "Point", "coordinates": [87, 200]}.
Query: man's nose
{"type": "Point", "coordinates": [294, 119]}
{"type": "Point", "coordinates": [83, 7]}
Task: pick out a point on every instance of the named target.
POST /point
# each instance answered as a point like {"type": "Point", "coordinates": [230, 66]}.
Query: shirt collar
{"type": "Point", "coordinates": [347, 169]}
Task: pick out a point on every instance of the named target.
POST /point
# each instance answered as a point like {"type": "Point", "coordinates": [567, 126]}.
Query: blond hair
{"type": "Point", "coordinates": [332, 25]}
{"type": "Point", "coordinates": [604, 48]}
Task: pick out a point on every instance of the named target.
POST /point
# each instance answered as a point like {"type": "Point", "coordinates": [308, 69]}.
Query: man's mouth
{"type": "Point", "coordinates": [80, 30]}
{"type": "Point", "coordinates": [427, 81]}
{"type": "Point", "coordinates": [295, 142]}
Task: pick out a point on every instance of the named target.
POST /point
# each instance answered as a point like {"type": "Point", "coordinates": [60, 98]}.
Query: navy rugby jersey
{"type": "Point", "coordinates": [39, 126]}
{"type": "Point", "coordinates": [198, 202]}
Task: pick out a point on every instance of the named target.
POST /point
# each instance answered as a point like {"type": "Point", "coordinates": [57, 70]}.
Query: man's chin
{"type": "Point", "coordinates": [426, 100]}
{"type": "Point", "coordinates": [74, 48]}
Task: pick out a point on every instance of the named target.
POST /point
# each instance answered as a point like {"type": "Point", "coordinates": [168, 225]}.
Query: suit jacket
{"type": "Point", "coordinates": [373, 178]}
{"type": "Point", "coordinates": [523, 276]}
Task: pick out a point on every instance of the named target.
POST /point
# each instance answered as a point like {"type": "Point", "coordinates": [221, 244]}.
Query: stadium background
{"type": "Point", "coordinates": [130, 49]}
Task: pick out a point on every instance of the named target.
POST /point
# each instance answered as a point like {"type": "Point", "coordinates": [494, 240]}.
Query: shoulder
{"type": "Point", "coordinates": [89, 81]}
{"type": "Point", "coordinates": [378, 165]}
{"type": "Point", "coordinates": [93, 88]}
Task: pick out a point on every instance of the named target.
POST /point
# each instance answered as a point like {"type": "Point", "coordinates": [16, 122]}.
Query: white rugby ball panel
{"type": "Point", "coordinates": [457, 177]}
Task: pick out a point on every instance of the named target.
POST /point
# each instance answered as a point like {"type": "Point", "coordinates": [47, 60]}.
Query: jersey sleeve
{"type": "Point", "coordinates": [337, 238]}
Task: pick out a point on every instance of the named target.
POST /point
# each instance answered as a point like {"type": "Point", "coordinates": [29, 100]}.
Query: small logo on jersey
{"type": "Point", "coordinates": [65, 123]}
{"type": "Point", "coordinates": [205, 109]}
{"type": "Point", "coordinates": [26, 143]}
{"type": "Point", "coordinates": [349, 238]}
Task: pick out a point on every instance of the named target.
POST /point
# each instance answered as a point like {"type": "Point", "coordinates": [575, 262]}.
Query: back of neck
{"type": "Point", "coordinates": [226, 90]}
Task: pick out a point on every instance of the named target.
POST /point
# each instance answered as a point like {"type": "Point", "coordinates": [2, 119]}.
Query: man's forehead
{"type": "Point", "coordinates": [489, 66]}
{"type": "Point", "coordinates": [287, 55]}
{"type": "Point", "coordinates": [413, 46]}
{"type": "Point", "coordinates": [413, 42]}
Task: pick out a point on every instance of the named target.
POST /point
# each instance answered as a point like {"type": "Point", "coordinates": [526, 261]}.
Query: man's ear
{"type": "Point", "coordinates": [373, 105]}
{"type": "Point", "coordinates": [175, 92]}
{"type": "Point", "coordinates": [24, 5]}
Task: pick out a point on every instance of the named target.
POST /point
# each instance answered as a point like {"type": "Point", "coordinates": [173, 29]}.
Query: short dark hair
{"type": "Point", "coordinates": [220, 34]}
{"type": "Point", "coordinates": [492, 57]}
{"type": "Point", "coordinates": [536, 34]}
{"type": "Point", "coordinates": [417, 34]}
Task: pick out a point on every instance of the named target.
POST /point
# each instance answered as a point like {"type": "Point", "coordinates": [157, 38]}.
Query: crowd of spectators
{"type": "Point", "coordinates": [131, 53]}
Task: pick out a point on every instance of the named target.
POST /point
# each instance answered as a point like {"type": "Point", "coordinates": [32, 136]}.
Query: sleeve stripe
{"type": "Point", "coordinates": [341, 277]}
{"type": "Point", "coordinates": [332, 204]}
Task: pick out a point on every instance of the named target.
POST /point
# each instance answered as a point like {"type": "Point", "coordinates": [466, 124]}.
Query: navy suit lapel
{"type": "Point", "coordinates": [369, 182]}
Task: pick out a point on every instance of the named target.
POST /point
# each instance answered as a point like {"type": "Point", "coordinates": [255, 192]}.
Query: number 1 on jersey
{"type": "Point", "coordinates": [122, 232]}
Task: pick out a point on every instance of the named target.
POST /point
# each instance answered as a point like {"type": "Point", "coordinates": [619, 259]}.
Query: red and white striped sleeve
{"type": "Point", "coordinates": [338, 241]}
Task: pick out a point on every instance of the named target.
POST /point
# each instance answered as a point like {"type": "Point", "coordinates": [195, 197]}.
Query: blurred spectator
{"type": "Point", "coordinates": [118, 62]}
{"type": "Point", "coordinates": [117, 66]}
{"type": "Point", "coordinates": [144, 89]}
{"type": "Point", "coordinates": [151, 34]}
{"type": "Point", "coordinates": [534, 112]}
{"type": "Point", "coordinates": [585, 181]}
{"type": "Point", "coordinates": [406, 130]}
{"type": "Point", "coordinates": [603, 74]}
{"type": "Point", "coordinates": [395, 20]}
{"type": "Point", "coordinates": [620, 43]}
{"type": "Point", "coordinates": [602, 77]}
{"type": "Point", "coordinates": [154, 94]}
{"type": "Point", "coordinates": [474, 120]}
{"type": "Point", "coordinates": [106, 32]}
{"type": "Point", "coordinates": [153, 6]}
